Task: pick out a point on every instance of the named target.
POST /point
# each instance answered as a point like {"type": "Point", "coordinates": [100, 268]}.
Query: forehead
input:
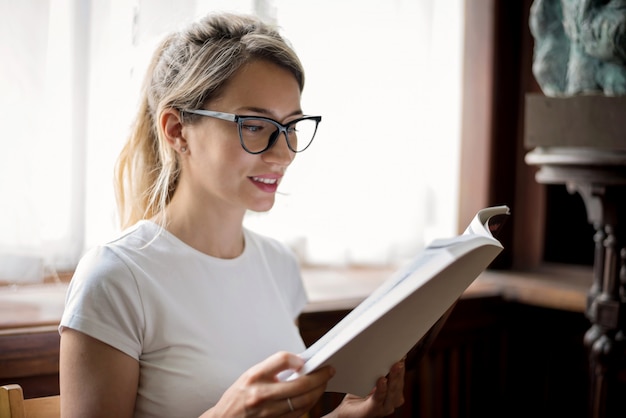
{"type": "Point", "coordinates": [264, 85]}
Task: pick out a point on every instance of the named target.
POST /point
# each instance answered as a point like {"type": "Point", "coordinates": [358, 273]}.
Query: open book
{"type": "Point", "coordinates": [400, 313]}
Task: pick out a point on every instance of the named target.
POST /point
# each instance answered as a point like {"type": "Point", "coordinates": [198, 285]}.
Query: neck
{"type": "Point", "coordinates": [207, 227]}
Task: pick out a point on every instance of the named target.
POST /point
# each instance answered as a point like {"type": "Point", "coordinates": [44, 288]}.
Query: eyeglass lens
{"type": "Point", "coordinates": [258, 135]}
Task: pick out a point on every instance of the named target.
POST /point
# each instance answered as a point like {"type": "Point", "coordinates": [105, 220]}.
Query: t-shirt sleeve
{"type": "Point", "coordinates": [103, 302]}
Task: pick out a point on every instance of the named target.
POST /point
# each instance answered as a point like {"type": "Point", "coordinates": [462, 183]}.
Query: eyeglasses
{"type": "Point", "coordinates": [258, 134]}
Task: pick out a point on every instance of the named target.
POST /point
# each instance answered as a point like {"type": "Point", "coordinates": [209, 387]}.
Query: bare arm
{"type": "Point", "coordinates": [96, 379]}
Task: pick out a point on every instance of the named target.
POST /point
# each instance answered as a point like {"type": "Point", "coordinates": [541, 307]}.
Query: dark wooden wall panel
{"type": "Point", "coordinates": [491, 359]}
{"type": "Point", "coordinates": [30, 358]}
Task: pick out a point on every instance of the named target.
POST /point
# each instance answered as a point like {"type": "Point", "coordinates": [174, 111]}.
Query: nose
{"type": "Point", "coordinates": [279, 153]}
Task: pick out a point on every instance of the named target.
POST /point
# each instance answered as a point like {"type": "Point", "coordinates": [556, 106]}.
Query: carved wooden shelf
{"type": "Point", "coordinates": [581, 142]}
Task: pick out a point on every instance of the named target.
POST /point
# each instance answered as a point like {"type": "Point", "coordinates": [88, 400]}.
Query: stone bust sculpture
{"type": "Point", "coordinates": [580, 46]}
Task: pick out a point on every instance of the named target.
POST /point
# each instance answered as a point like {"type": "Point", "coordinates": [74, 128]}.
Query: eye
{"type": "Point", "coordinates": [252, 127]}
{"type": "Point", "coordinates": [256, 127]}
{"type": "Point", "coordinates": [294, 127]}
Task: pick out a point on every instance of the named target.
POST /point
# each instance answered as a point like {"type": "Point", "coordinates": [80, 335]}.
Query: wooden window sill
{"type": "Point", "coordinates": [560, 287]}
{"type": "Point", "coordinates": [331, 289]}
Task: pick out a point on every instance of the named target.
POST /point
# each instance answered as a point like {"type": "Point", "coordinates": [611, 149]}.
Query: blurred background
{"type": "Point", "coordinates": [379, 182]}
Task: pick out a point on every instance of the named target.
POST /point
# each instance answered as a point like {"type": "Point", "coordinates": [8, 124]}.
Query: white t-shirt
{"type": "Point", "coordinates": [193, 322]}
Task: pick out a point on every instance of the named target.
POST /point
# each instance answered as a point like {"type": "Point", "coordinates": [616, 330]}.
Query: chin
{"type": "Point", "coordinates": [262, 206]}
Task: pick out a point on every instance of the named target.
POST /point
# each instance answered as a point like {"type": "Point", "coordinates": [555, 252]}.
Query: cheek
{"type": "Point", "coordinates": [217, 153]}
{"type": "Point", "coordinates": [213, 139]}
{"type": "Point", "coordinates": [222, 161]}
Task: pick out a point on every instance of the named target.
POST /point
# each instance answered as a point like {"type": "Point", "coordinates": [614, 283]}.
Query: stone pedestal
{"type": "Point", "coordinates": [581, 142]}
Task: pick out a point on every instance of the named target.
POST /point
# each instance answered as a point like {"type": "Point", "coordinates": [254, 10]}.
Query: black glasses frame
{"type": "Point", "coordinates": [240, 119]}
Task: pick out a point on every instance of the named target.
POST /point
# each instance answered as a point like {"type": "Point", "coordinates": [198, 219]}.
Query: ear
{"type": "Point", "coordinates": [172, 128]}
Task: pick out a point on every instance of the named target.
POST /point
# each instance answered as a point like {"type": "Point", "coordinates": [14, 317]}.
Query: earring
{"type": "Point", "coordinates": [183, 149]}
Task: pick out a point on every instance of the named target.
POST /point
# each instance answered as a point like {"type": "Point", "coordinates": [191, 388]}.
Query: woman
{"type": "Point", "coordinates": [187, 313]}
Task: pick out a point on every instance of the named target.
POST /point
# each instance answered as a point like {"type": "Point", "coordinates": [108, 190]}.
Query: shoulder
{"type": "Point", "coordinates": [138, 236]}
{"type": "Point", "coordinates": [100, 274]}
{"type": "Point", "coordinates": [113, 262]}
{"type": "Point", "coordinates": [99, 261]}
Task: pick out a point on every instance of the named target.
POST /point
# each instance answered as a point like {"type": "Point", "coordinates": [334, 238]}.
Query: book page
{"type": "Point", "coordinates": [386, 325]}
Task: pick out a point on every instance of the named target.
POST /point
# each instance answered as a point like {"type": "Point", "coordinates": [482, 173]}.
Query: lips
{"type": "Point", "coordinates": [266, 183]}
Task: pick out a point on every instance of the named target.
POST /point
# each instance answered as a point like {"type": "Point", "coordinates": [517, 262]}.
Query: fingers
{"type": "Point", "coordinates": [389, 392]}
{"type": "Point", "coordinates": [302, 393]}
{"type": "Point", "coordinates": [305, 389]}
{"type": "Point", "coordinates": [387, 395]}
{"type": "Point", "coordinates": [259, 392]}
{"type": "Point", "coordinates": [395, 386]}
{"type": "Point", "coordinates": [277, 363]}
{"type": "Point", "coordinates": [267, 370]}
{"type": "Point", "coordinates": [302, 403]}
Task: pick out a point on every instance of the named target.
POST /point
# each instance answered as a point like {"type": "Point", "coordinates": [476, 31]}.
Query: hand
{"type": "Point", "coordinates": [382, 400]}
{"type": "Point", "coordinates": [258, 392]}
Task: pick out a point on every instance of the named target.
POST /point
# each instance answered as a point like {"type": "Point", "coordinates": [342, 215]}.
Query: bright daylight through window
{"type": "Point", "coordinates": [378, 182]}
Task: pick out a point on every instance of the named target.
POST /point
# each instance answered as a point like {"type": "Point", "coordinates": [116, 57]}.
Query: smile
{"type": "Point", "coordinates": [265, 180]}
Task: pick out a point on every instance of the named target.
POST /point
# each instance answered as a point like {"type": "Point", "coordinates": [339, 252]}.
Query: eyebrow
{"type": "Point", "coordinates": [261, 110]}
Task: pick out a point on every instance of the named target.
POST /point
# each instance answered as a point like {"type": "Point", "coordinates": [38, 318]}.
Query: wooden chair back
{"type": "Point", "coordinates": [13, 404]}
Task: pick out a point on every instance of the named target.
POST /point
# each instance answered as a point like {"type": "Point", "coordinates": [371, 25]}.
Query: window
{"type": "Point", "coordinates": [43, 114]}
{"type": "Point", "coordinates": [371, 191]}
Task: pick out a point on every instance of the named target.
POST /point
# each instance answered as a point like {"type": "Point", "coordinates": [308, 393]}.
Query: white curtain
{"type": "Point", "coordinates": [379, 181]}
{"type": "Point", "coordinates": [43, 69]}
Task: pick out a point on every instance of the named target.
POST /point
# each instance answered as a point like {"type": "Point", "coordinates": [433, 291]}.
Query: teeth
{"type": "Point", "coordinates": [264, 180]}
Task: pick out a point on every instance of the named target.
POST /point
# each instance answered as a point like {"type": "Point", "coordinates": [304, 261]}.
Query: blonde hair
{"type": "Point", "coordinates": [188, 69]}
